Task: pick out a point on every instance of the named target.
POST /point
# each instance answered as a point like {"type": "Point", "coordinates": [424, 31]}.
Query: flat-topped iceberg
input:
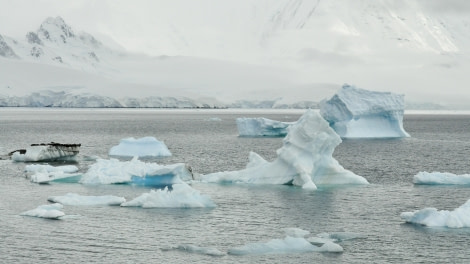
{"type": "Point", "coordinates": [51, 211]}
{"type": "Point", "coordinates": [44, 173]}
{"type": "Point", "coordinates": [458, 218]}
{"type": "Point", "coordinates": [142, 147]}
{"type": "Point", "coordinates": [359, 113]}
{"type": "Point", "coordinates": [180, 196]}
{"type": "Point", "coordinates": [76, 199]}
{"type": "Point", "coordinates": [444, 178]}
{"type": "Point", "coordinates": [46, 152]}
{"type": "Point", "coordinates": [135, 172]}
{"type": "Point", "coordinates": [305, 159]}
{"type": "Point", "coordinates": [260, 126]}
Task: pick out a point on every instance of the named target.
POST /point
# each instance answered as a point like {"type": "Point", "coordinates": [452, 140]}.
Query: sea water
{"type": "Point", "coordinates": [207, 140]}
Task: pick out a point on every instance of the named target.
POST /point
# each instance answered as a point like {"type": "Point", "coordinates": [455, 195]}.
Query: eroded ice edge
{"type": "Point", "coordinates": [457, 218]}
{"type": "Point", "coordinates": [441, 178]}
{"type": "Point", "coordinates": [44, 173]}
{"type": "Point", "coordinates": [142, 147]}
{"type": "Point", "coordinates": [359, 113]}
{"type": "Point", "coordinates": [260, 126]}
{"type": "Point", "coordinates": [305, 159]}
{"type": "Point", "coordinates": [50, 211]}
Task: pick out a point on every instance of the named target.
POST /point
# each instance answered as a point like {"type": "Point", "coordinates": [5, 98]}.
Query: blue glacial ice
{"type": "Point", "coordinates": [305, 159]}
{"type": "Point", "coordinates": [51, 211]}
{"type": "Point", "coordinates": [135, 172]}
{"type": "Point", "coordinates": [141, 147]}
{"type": "Point", "coordinates": [260, 126]}
{"type": "Point", "coordinates": [431, 217]}
{"type": "Point", "coordinates": [86, 200]}
{"type": "Point", "coordinates": [181, 196]}
{"type": "Point", "coordinates": [359, 113]}
{"type": "Point", "coordinates": [441, 178]}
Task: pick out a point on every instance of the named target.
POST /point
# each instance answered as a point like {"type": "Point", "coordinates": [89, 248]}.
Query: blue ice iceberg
{"type": "Point", "coordinates": [305, 159]}
{"type": "Point", "coordinates": [359, 113]}
{"type": "Point", "coordinates": [260, 126]}
{"type": "Point", "coordinates": [141, 147]}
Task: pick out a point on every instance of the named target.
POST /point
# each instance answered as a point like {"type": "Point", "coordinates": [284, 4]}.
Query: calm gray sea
{"type": "Point", "coordinates": [208, 141]}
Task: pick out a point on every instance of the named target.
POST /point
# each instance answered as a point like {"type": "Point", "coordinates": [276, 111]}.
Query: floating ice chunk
{"type": "Point", "coordinates": [441, 178]}
{"type": "Point", "coordinates": [47, 173]}
{"type": "Point", "coordinates": [458, 218]}
{"type": "Point", "coordinates": [296, 232]}
{"type": "Point", "coordinates": [258, 127]}
{"type": "Point", "coordinates": [76, 199]}
{"type": "Point", "coordinates": [49, 168]}
{"type": "Point", "coordinates": [51, 211]}
{"type": "Point", "coordinates": [358, 113]}
{"type": "Point", "coordinates": [305, 159]}
{"type": "Point", "coordinates": [330, 247]}
{"type": "Point", "coordinates": [135, 172]}
{"type": "Point", "coordinates": [142, 147]}
{"type": "Point", "coordinates": [201, 250]}
{"type": "Point", "coordinates": [46, 152]}
{"type": "Point", "coordinates": [181, 196]}
{"type": "Point", "coordinates": [275, 246]}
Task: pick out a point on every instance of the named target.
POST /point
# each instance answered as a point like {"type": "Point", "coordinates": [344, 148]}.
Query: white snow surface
{"type": "Point", "coordinates": [305, 159]}
{"type": "Point", "coordinates": [457, 218]}
{"type": "Point", "coordinates": [49, 168]}
{"type": "Point", "coordinates": [135, 172]}
{"type": "Point", "coordinates": [141, 147]}
{"type": "Point", "coordinates": [359, 113]}
{"type": "Point", "coordinates": [444, 178]}
{"type": "Point", "coordinates": [181, 196]}
{"type": "Point", "coordinates": [51, 211]}
{"type": "Point", "coordinates": [42, 153]}
{"type": "Point", "coordinates": [76, 199]}
{"type": "Point", "coordinates": [260, 126]}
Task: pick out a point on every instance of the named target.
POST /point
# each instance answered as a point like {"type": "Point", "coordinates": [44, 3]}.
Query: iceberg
{"type": "Point", "coordinates": [47, 173]}
{"type": "Point", "coordinates": [51, 211]}
{"type": "Point", "coordinates": [201, 250]}
{"type": "Point", "coordinates": [135, 172]}
{"type": "Point", "coordinates": [46, 152]}
{"type": "Point", "coordinates": [444, 178]}
{"type": "Point", "coordinates": [260, 126]}
{"type": "Point", "coordinates": [431, 217]}
{"type": "Point", "coordinates": [142, 147]}
{"type": "Point", "coordinates": [181, 196]}
{"type": "Point", "coordinates": [305, 159]}
{"type": "Point", "coordinates": [79, 200]}
{"type": "Point", "coordinates": [359, 113]}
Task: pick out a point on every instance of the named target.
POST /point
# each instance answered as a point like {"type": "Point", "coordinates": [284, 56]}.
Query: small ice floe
{"type": "Point", "coordinates": [135, 172]}
{"type": "Point", "coordinates": [201, 250]}
{"type": "Point", "coordinates": [181, 196]}
{"type": "Point", "coordinates": [50, 211]}
{"type": "Point", "coordinates": [47, 173]}
{"type": "Point", "coordinates": [260, 126]}
{"type": "Point", "coordinates": [290, 244]}
{"type": "Point", "coordinates": [431, 217]}
{"type": "Point", "coordinates": [441, 178]}
{"type": "Point", "coordinates": [142, 147]}
{"type": "Point", "coordinates": [214, 119]}
{"type": "Point", "coordinates": [81, 200]}
{"type": "Point", "coordinates": [46, 152]}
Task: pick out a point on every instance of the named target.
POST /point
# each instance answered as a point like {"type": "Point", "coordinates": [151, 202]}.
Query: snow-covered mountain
{"type": "Point", "coordinates": [250, 53]}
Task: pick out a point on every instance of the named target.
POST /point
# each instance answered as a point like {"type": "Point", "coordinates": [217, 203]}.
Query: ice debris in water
{"type": "Point", "coordinates": [359, 113]}
{"type": "Point", "coordinates": [201, 250]}
{"type": "Point", "coordinates": [305, 159]}
{"type": "Point", "coordinates": [51, 211]}
{"type": "Point", "coordinates": [44, 173]}
{"type": "Point", "coordinates": [181, 196]}
{"type": "Point", "coordinates": [260, 126]}
{"type": "Point", "coordinates": [142, 147]}
{"type": "Point", "coordinates": [458, 218]}
{"type": "Point", "coordinates": [76, 199]}
{"type": "Point", "coordinates": [436, 178]}
{"type": "Point", "coordinates": [135, 172]}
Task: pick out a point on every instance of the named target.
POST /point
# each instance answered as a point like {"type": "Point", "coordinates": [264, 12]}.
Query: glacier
{"type": "Point", "coordinates": [82, 200]}
{"type": "Point", "coordinates": [357, 113]}
{"type": "Point", "coordinates": [260, 126]}
{"type": "Point", "coordinates": [181, 195]}
{"type": "Point", "coordinates": [431, 217]}
{"type": "Point", "coordinates": [135, 172]}
{"type": "Point", "coordinates": [305, 159]}
{"type": "Point", "coordinates": [438, 178]}
{"type": "Point", "coordinates": [50, 211]}
{"type": "Point", "coordinates": [141, 147]}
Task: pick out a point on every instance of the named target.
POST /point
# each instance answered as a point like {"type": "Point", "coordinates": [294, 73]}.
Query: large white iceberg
{"type": "Point", "coordinates": [359, 113]}
{"type": "Point", "coordinates": [444, 178]}
{"type": "Point", "coordinates": [181, 196]}
{"type": "Point", "coordinates": [142, 147]}
{"type": "Point", "coordinates": [305, 159]}
{"type": "Point", "coordinates": [76, 199]}
{"type": "Point", "coordinates": [260, 126]}
{"type": "Point", "coordinates": [46, 152]}
{"type": "Point", "coordinates": [135, 172]}
{"type": "Point", "coordinates": [44, 173]}
{"type": "Point", "coordinates": [51, 211]}
{"type": "Point", "coordinates": [458, 218]}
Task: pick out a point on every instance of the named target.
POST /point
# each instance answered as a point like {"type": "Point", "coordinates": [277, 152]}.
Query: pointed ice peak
{"type": "Point", "coordinates": [56, 30]}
